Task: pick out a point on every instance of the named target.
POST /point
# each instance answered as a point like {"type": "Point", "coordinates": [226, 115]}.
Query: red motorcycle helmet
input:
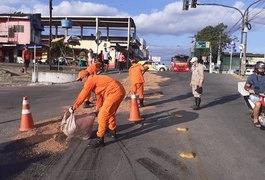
{"type": "Point", "coordinates": [260, 67]}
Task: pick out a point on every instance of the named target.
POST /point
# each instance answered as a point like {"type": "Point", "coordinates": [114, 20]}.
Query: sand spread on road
{"type": "Point", "coordinates": [48, 138]}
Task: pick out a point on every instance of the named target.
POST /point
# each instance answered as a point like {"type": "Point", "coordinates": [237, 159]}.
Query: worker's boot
{"type": "Point", "coordinates": [113, 134]}
{"type": "Point", "coordinates": [141, 102]}
{"type": "Point", "coordinates": [198, 103]}
{"type": "Point", "coordinates": [86, 104]}
{"type": "Point", "coordinates": [95, 143]}
{"type": "Point", "coordinates": [195, 106]}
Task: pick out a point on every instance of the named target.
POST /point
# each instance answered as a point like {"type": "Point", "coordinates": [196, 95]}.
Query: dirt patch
{"type": "Point", "coordinates": [47, 139]}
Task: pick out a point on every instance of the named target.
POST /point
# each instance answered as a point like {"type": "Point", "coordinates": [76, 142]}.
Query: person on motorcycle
{"type": "Point", "coordinates": [255, 84]}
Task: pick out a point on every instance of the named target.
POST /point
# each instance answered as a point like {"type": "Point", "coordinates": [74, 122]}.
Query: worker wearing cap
{"type": "Point", "coordinates": [136, 72]}
{"type": "Point", "coordinates": [92, 69]}
{"type": "Point", "coordinates": [197, 78]}
{"type": "Point", "coordinates": [110, 94]}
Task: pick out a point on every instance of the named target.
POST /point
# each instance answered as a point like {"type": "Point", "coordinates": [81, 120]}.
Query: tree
{"type": "Point", "coordinates": [214, 35]}
{"type": "Point", "coordinates": [57, 48]}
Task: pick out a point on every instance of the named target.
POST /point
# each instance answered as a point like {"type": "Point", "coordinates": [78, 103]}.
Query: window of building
{"type": "Point", "coordinates": [18, 28]}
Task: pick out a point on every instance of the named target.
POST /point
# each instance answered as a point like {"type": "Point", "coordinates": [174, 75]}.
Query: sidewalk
{"type": "Point", "coordinates": [11, 75]}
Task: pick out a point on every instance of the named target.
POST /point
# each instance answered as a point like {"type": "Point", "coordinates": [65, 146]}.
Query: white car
{"type": "Point", "coordinates": [155, 66]}
{"type": "Point", "coordinates": [249, 72]}
{"type": "Point", "coordinates": [20, 60]}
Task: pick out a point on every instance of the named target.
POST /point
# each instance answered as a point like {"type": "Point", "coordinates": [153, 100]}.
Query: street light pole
{"type": "Point", "coordinates": [244, 30]}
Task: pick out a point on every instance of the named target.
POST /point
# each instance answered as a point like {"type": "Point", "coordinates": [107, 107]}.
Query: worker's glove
{"type": "Point", "coordinates": [71, 109]}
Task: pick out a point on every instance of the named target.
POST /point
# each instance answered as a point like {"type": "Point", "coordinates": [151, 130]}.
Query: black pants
{"type": "Point", "coordinates": [120, 65]}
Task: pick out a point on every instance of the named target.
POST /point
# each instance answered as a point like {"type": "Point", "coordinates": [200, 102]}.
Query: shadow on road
{"type": "Point", "coordinates": [222, 100]}
{"type": "Point", "coordinates": [177, 98]}
{"type": "Point", "coordinates": [155, 121]}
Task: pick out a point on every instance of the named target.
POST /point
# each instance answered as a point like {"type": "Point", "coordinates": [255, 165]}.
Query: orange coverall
{"type": "Point", "coordinates": [93, 69]}
{"type": "Point", "coordinates": [110, 94]}
{"type": "Point", "coordinates": [137, 79]}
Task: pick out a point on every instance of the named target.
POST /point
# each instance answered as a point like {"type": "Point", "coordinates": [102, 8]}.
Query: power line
{"type": "Point", "coordinates": [258, 13]}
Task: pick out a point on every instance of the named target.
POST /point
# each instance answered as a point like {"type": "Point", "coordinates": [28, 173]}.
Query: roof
{"type": "Point", "coordinates": [106, 21]}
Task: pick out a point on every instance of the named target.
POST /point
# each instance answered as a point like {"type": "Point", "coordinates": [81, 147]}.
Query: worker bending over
{"type": "Point", "coordinates": [92, 69]}
{"type": "Point", "coordinates": [110, 94]}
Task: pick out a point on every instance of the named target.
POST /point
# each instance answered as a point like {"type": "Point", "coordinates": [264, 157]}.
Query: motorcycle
{"type": "Point", "coordinates": [250, 104]}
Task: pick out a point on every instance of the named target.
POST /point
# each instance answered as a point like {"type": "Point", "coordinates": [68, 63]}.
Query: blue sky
{"type": "Point", "coordinates": [162, 23]}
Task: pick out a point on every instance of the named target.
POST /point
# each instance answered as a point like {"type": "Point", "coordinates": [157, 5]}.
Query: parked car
{"type": "Point", "coordinates": [236, 71]}
{"type": "Point", "coordinates": [43, 61]}
{"type": "Point", "coordinates": [20, 60]}
{"type": "Point", "coordinates": [249, 71]}
{"type": "Point", "coordinates": [155, 66]}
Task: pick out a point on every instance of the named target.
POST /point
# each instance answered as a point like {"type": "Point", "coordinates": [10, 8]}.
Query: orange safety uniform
{"type": "Point", "coordinates": [93, 69]}
{"type": "Point", "coordinates": [109, 90]}
{"type": "Point", "coordinates": [137, 79]}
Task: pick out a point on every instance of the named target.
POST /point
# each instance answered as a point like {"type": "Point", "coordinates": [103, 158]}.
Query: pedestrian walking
{"type": "Point", "coordinates": [136, 72]}
{"type": "Point", "coordinates": [110, 94]}
{"type": "Point", "coordinates": [106, 59]}
{"type": "Point", "coordinates": [196, 82]}
{"type": "Point", "coordinates": [90, 57]}
{"type": "Point", "coordinates": [26, 58]}
{"type": "Point", "coordinates": [121, 62]}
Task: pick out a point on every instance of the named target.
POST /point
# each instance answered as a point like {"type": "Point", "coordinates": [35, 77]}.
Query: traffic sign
{"type": "Point", "coordinates": [207, 44]}
{"type": "Point", "coordinates": [202, 44]}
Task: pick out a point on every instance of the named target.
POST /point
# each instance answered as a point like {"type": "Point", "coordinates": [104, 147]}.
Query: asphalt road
{"type": "Point", "coordinates": [225, 142]}
{"type": "Point", "coordinates": [45, 102]}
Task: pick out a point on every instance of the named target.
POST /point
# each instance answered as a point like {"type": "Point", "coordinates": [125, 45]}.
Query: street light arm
{"type": "Point", "coordinates": [250, 6]}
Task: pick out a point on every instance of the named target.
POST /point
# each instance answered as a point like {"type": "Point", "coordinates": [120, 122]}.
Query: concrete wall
{"type": "Point", "coordinates": [53, 77]}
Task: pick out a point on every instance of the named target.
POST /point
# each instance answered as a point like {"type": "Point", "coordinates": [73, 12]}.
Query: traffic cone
{"type": "Point", "coordinates": [134, 112]}
{"type": "Point", "coordinates": [26, 122]}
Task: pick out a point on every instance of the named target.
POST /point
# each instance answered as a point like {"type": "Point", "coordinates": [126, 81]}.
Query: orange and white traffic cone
{"type": "Point", "coordinates": [134, 112]}
{"type": "Point", "coordinates": [26, 122]}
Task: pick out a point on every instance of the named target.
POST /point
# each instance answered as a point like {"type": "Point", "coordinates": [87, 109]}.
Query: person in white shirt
{"type": "Point", "coordinates": [106, 59]}
{"type": "Point", "coordinates": [90, 57]}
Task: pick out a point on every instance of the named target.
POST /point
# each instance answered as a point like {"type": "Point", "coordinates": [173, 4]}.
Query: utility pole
{"type": "Point", "coordinates": [219, 51]}
{"type": "Point", "coordinates": [244, 29]}
{"type": "Point", "coordinates": [210, 63]}
{"type": "Point", "coordinates": [244, 35]}
{"type": "Point", "coordinates": [50, 34]}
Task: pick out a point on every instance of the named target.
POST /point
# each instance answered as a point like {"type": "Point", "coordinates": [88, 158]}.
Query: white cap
{"type": "Point", "coordinates": [194, 59]}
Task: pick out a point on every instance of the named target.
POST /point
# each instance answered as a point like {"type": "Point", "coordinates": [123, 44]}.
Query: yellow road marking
{"type": "Point", "coordinates": [187, 155]}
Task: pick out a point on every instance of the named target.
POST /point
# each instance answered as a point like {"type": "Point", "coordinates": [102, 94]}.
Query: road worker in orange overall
{"type": "Point", "coordinates": [136, 72]}
{"type": "Point", "coordinates": [92, 69]}
{"type": "Point", "coordinates": [110, 94]}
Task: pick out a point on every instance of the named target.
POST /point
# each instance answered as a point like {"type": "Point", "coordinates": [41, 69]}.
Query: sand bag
{"type": "Point", "coordinates": [68, 125]}
{"type": "Point", "coordinates": [78, 125]}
